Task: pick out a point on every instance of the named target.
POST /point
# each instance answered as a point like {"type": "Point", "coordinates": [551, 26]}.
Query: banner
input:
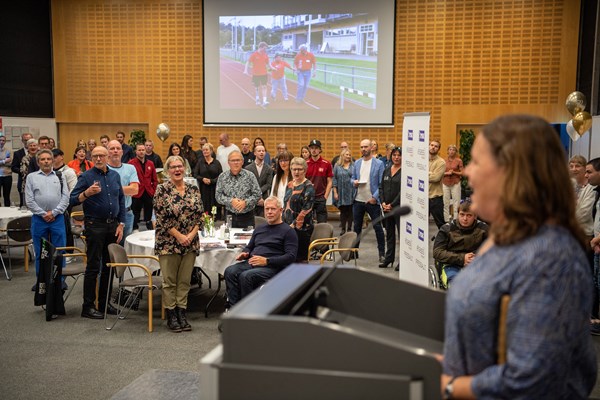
{"type": "Point", "coordinates": [414, 228]}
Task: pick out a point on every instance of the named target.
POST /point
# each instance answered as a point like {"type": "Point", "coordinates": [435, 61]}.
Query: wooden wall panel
{"type": "Point", "coordinates": [465, 61]}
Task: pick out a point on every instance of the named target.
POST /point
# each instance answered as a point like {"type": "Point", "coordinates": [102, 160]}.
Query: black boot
{"type": "Point", "coordinates": [172, 322]}
{"type": "Point", "coordinates": [181, 318]}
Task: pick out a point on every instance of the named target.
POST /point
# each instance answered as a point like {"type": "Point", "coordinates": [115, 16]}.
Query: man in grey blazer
{"type": "Point", "coordinates": [264, 176]}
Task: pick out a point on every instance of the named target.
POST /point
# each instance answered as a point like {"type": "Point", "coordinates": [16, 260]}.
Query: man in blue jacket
{"type": "Point", "coordinates": [366, 177]}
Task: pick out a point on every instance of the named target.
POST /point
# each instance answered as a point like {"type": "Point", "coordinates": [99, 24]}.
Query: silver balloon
{"type": "Point", "coordinates": [163, 131]}
{"type": "Point", "coordinates": [576, 103]}
{"type": "Point", "coordinates": [571, 131]}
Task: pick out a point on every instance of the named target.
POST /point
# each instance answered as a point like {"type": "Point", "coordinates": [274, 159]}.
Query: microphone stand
{"type": "Point", "coordinates": [317, 294]}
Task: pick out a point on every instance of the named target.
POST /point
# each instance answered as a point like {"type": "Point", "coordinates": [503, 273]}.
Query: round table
{"type": "Point", "coordinates": [210, 258]}
{"type": "Point", "coordinates": [9, 213]}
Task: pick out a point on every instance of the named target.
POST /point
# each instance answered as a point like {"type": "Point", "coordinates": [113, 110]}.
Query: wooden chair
{"type": "Point", "coordinates": [119, 260]}
{"type": "Point", "coordinates": [322, 232]}
{"type": "Point", "coordinates": [73, 270]}
{"type": "Point", "coordinates": [342, 246]}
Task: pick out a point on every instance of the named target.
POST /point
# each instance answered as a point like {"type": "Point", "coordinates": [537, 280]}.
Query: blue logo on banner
{"type": "Point", "coordinates": [421, 136]}
{"type": "Point", "coordinates": [410, 134]}
{"type": "Point", "coordinates": [421, 185]}
{"type": "Point", "coordinates": [409, 181]}
{"type": "Point", "coordinates": [408, 227]}
{"type": "Point", "coordinates": [421, 235]}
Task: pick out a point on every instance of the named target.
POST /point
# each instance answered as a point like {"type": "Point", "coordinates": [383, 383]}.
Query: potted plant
{"type": "Point", "coordinates": [137, 136]}
{"type": "Point", "coordinates": [467, 137]}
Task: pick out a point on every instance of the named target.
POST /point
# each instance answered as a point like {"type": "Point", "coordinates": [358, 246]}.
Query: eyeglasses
{"type": "Point", "coordinates": [176, 167]}
{"type": "Point", "coordinates": [98, 155]}
{"type": "Point", "coordinates": [236, 160]}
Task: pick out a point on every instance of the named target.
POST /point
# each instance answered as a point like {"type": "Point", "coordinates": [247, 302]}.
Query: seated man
{"type": "Point", "coordinates": [273, 247]}
{"type": "Point", "coordinates": [457, 241]}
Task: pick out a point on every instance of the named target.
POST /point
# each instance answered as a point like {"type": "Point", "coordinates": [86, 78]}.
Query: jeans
{"type": "Point", "coordinates": [303, 81]}
{"type": "Point", "coordinates": [54, 232]}
{"type": "Point", "coordinates": [275, 83]}
{"type": "Point", "coordinates": [6, 186]}
{"type": "Point", "coordinates": [128, 228]}
{"type": "Point", "coordinates": [241, 280]}
{"type": "Point", "coordinates": [359, 208]}
{"type": "Point", "coordinates": [449, 272]}
{"type": "Point", "coordinates": [99, 235]}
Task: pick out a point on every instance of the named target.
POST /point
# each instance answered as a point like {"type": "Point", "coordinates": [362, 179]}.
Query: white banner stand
{"type": "Point", "coordinates": [414, 228]}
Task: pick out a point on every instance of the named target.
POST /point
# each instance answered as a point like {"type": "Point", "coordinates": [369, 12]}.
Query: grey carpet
{"type": "Point", "coordinates": [162, 385]}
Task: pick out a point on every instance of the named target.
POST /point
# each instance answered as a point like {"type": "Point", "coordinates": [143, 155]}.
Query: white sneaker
{"type": "Point", "coordinates": [257, 101]}
{"type": "Point", "coordinates": [265, 103]}
{"type": "Point", "coordinates": [69, 260]}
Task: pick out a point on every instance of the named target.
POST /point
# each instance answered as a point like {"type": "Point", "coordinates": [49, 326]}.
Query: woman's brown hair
{"type": "Point", "coordinates": [537, 187]}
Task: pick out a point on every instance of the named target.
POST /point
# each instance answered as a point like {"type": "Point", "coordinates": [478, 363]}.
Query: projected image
{"type": "Point", "coordinates": [314, 62]}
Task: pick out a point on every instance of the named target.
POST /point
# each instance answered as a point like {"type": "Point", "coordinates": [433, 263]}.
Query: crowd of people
{"type": "Point", "coordinates": [539, 244]}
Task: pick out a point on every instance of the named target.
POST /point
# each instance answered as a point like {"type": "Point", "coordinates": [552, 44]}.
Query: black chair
{"type": "Point", "coordinates": [18, 234]}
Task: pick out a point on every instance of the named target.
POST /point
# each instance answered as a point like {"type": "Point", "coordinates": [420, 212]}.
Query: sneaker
{"type": "Point", "coordinates": [257, 101]}
{"type": "Point", "coordinates": [265, 103]}
{"type": "Point", "coordinates": [595, 328]}
{"type": "Point", "coordinates": [220, 325]}
{"type": "Point", "coordinates": [69, 260]}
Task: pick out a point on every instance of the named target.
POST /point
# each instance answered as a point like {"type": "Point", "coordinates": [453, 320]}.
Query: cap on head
{"type": "Point", "coordinates": [315, 142]}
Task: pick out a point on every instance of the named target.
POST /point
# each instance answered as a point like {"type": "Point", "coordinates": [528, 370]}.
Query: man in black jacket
{"type": "Point", "coordinates": [16, 164]}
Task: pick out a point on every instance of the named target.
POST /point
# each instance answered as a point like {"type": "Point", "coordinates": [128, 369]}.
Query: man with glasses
{"type": "Point", "coordinates": [5, 172]}
{"type": "Point", "coordinates": [129, 181]}
{"type": "Point", "coordinates": [238, 191]}
{"type": "Point", "coordinates": [99, 190]}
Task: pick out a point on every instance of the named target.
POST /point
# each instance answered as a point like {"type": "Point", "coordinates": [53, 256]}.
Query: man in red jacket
{"type": "Point", "coordinates": [148, 183]}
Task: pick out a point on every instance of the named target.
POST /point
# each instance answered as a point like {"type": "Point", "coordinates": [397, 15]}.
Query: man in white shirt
{"type": "Point", "coordinates": [224, 149]}
{"type": "Point", "coordinates": [129, 181]}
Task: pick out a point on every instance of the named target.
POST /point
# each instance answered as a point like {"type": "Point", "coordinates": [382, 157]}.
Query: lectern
{"type": "Point", "coordinates": [359, 335]}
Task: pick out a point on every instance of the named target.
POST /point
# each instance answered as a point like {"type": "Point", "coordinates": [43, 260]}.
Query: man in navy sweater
{"type": "Point", "coordinates": [273, 247]}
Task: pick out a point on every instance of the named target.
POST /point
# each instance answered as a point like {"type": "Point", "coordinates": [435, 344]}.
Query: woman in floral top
{"type": "Point", "coordinates": [178, 209]}
{"type": "Point", "coordinates": [299, 200]}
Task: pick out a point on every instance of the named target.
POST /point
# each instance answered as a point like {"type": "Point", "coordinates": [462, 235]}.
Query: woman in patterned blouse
{"type": "Point", "coordinates": [299, 199]}
{"type": "Point", "coordinates": [535, 255]}
{"type": "Point", "coordinates": [178, 209]}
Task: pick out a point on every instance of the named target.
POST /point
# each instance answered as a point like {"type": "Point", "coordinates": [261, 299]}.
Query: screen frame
{"type": "Point", "coordinates": [381, 117]}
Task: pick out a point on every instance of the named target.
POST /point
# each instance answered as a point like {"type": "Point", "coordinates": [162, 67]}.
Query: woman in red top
{"type": "Point", "coordinates": [80, 164]}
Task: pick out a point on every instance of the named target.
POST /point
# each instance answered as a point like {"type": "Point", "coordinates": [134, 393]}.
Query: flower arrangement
{"type": "Point", "coordinates": [209, 222]}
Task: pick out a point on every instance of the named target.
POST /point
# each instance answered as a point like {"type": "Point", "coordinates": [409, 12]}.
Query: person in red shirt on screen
{"type": "Point", "coordinates": [306, 66]}
{"type": "Point", "coordinates": [260, 65]}
{"type": "Point", "coordinates": [278, 67]}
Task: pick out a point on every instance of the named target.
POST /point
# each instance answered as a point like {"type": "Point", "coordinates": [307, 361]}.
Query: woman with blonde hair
{"type": "Point", "coordinates": [451, 183]}
{"type": "Point", "coordinates": [178, 209]}
{"type": "Point", "coordinates": [534, 260]}
{"type": "Point", "coordinates": [343, 189]}
{"type": "Point", "coordinates": [298, 206]}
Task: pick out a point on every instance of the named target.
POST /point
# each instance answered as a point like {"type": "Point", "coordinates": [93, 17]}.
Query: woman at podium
{"type": "Point", "coordinates": [517, 318]}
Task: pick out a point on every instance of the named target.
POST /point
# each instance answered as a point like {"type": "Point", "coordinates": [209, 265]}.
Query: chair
{"type": "Point", "coordinates": [18, 234]}
{"type": "Point", "coordinates": [317, 245]}
{"type": "Point", "coordinates": [77, 223]}
{"type": "Point", "coordinates": [119, 260]}
{"type": "Point", "coordinates": [258, 221]}
{"type": "Point", "coordinates": [74, 270]}
{"type": "Point", "coordinates": [343, 246]}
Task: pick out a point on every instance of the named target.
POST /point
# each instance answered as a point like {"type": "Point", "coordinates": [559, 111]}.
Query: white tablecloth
{"type": "Point", "coordinates": [9, 213]}
{"type": "Point", "coordinates": [212, 260]}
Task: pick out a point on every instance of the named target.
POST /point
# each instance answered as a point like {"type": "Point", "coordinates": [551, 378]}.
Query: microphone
{"type": "Point", "coordinates": [317, 291]}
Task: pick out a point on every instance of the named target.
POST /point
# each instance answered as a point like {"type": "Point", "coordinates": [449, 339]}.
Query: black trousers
{"type": "Point", "coordinates": [145, 202]}
{"type": "Point", "coordinates": [6, 186]}
{"type": "Point", "coordinates": [99, 235]}
{"type": "Point", "coordinates": [320, 209]}
{"type": "Point", "coordinates": [392, 225]}
{"type": "Point", "coordinates": [436, 209]}
{"type": "Point", "coordinates": [242, 220]}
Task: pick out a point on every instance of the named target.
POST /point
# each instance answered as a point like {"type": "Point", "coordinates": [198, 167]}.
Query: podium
{"type": "Point", "coordinates": [365, 336]}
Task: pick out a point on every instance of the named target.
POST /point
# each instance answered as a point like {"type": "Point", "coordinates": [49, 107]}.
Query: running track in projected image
{"type": "Point", "coordinates": [237, 91]}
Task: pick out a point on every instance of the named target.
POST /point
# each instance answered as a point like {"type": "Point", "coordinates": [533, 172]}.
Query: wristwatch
{"type": "Point", "coordinates": [449, 389]}
{"type": "Point", "coordinates": [267, 260]}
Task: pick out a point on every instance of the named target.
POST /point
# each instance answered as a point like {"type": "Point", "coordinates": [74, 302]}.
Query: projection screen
{"type": "Point", "coordinates": [273, 62]}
